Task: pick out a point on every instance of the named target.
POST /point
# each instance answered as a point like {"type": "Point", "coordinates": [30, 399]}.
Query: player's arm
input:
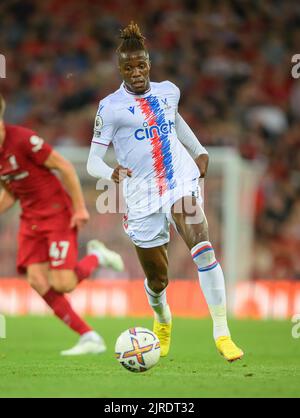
{"type": "Point", "coordinates": [104, 130]}
{"type": "Point", "coordinates": [72, 184]}
{"type": "Point", "coordinates": [96, 167]}
{"type": "Point", "coordinates": [187, 137]}
{"type": "Point", "coordinates": [7, 200]}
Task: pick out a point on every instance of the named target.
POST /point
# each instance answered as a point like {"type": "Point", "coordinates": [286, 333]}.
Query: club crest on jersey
{"type": "Point", "coordinates": [149, 132]}
{"type": "Point", "coordinates": [131, 109]}
{"type": "Point", "coordinates": [165, 102]}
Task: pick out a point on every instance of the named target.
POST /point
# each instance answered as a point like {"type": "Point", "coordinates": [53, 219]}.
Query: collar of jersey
{"type": "Point", "coordinates": [134, 94]}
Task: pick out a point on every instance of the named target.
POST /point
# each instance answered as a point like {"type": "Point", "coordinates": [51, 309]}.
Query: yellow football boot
{"type": "Point", "coordinates": [228, 349]}
{"type": "Point", "coordinates": [163, 332]}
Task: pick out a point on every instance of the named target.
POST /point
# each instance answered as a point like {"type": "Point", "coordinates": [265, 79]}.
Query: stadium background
{"type": "Point", "coordinates": [232, 62]}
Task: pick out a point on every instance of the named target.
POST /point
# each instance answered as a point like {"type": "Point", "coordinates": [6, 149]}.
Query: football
{"type": "Point", "coordinates": [137, 349]}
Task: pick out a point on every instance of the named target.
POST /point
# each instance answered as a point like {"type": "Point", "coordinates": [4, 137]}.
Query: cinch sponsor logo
{"type": "Point", "coordinates": [150, 132]}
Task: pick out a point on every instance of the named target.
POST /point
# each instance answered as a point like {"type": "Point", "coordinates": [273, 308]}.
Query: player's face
{"type": "Point", "coordinates": [135, 69]}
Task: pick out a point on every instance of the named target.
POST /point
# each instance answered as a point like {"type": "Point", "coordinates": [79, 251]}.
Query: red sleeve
{"type": "Point", "coordinates": [36, 148]}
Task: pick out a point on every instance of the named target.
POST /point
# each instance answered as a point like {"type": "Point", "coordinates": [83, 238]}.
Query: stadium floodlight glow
{"type": "Point", "coordinates": [2, 66]}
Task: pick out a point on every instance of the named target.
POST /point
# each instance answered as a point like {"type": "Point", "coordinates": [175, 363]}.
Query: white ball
{"type": "Point", "coordinates": [137, 349]}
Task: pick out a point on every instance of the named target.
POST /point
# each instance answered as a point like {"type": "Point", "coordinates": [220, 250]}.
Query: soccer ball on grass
{"type": "Point", "coordinates": [137, 349]}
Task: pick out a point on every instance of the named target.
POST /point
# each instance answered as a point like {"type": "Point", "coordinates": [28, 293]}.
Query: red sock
{"type": "Point", "coordinates": [86, 267]}
{"type": "Point", "coordinates": [63, 310]}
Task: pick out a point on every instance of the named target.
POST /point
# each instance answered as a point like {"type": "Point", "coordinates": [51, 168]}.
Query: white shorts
{"type": "Point", "coordinates": [154, 230]}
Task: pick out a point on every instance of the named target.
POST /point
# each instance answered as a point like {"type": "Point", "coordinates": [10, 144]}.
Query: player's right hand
{"type": "Point", "coordinates": [80, 218]}
{"type": "Point", "coordinates": [202, 164]}
{"type": "Point", "coordinates": [120, 173]}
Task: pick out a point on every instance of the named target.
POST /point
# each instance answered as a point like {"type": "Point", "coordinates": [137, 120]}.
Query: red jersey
{"type": "Point", "coordinates": [22, 170]}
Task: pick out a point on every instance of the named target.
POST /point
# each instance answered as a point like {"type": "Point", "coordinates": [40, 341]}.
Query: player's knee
{"type": "Point", "coordinates": [200, 234]}
{"type": "Point", "coordinates": [38, 282]}
{"type": "Point", "coordinates": [63, 281]}
{"type": "Point", "coordinates": [198, 238]}
{"type": "Point", "coordinates": [158, 283]}
{"type": "Point", "coordinates": [63, 286]}
{"type": "Point", "coordinates": [204, 256]}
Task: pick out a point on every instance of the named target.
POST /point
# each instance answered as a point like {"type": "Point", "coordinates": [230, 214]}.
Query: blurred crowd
{"type": "Point", "coordinates": [231, 60]}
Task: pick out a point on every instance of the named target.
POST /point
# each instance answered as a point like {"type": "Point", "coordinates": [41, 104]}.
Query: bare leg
{"type": "Point", "coordinates": [63, 281]}
{"type": "Point", "coordinates": [191, 222]}
{"type": "Point", "coordinates": [155, 264]}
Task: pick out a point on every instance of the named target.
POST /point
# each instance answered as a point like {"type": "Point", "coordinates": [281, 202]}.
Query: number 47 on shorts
{"type": "Point", "coordinates": [59, 251]}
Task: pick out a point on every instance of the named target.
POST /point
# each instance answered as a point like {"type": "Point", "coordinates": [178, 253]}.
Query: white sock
{"type": "Point", "coordinates": [213, 286]}
{"type": "Point", "coordinates": [158, 302]}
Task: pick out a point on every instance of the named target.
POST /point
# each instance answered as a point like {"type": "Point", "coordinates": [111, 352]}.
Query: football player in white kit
{"type": "Point", "coordinates": [160, 162]}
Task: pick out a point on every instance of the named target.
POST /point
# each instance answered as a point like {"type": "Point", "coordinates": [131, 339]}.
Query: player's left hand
{"type": "Point", "coordinates": [79, 218]}
{"type": "Point", "coordinates": [202, 163]}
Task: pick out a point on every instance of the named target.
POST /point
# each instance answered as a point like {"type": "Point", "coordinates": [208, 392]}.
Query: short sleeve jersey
{"type": "Point", "coordinates": [22, 171]}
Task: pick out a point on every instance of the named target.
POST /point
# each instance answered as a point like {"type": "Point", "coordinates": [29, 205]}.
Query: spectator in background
{"type": "Point", "coordinates": [234, 76]}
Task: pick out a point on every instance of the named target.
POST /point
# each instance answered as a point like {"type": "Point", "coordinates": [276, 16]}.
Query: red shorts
{"type": "Point", "coordinates": [48, 241]}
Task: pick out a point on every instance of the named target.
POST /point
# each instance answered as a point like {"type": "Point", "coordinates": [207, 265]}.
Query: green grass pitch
{"type": "Point", "coordinates": [30, 365]}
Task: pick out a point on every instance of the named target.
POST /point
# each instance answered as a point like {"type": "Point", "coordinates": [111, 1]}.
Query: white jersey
{"type": "Point", "coordinates": [142, 130]}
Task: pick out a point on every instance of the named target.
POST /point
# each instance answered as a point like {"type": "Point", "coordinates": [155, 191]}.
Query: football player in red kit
{"type": "Point", "coordinates": [51, 216]}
